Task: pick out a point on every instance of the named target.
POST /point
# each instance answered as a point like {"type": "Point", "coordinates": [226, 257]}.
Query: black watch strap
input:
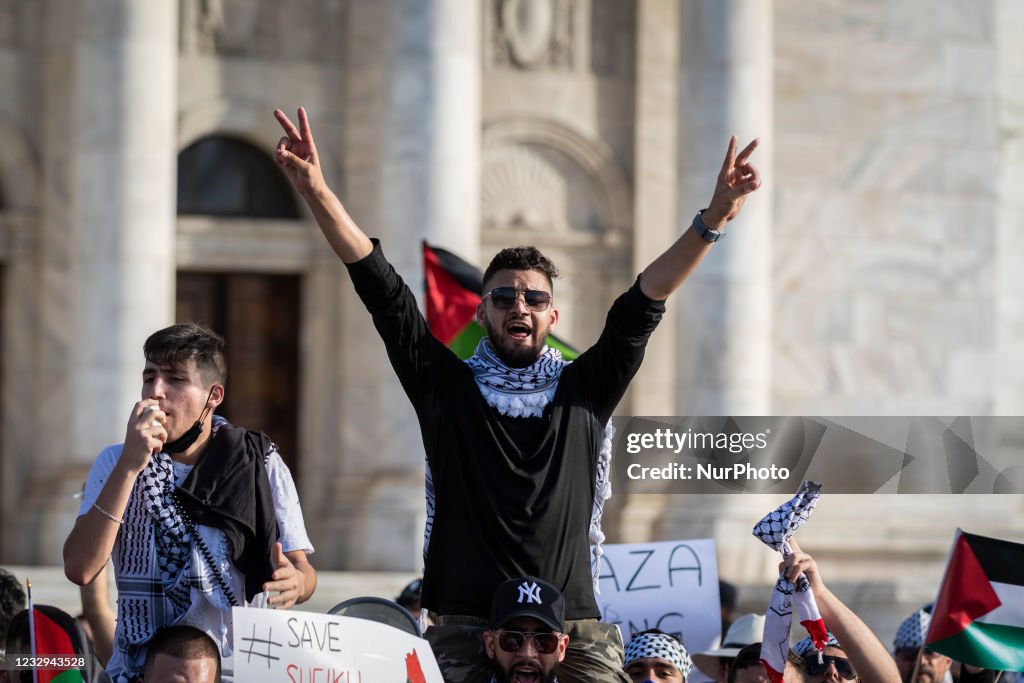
{"type": "Point", "coordinates": [704, 231]}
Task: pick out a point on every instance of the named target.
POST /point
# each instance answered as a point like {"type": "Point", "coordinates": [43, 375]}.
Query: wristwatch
{"type": "Point", "coordinates": [704, 231]}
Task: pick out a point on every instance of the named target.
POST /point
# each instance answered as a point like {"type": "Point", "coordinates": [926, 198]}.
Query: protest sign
{"type": "Point", "coordinates": [307, 647]}
{"type": "Point", "coordinates": [669, 585]}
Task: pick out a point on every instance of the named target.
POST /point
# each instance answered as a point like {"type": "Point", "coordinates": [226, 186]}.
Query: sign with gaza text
{"type": "Point", "coordinates": [669, 585]}
{"type": "Point", "coordinates": [307, 647]}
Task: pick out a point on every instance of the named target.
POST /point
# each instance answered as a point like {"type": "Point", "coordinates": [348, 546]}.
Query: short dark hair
{"type": "Point", "coordinates": [12, 600]}
{"type": "Point", "coordinates": [521, 258]}
{"type": "Point", "coordinates": [748, 656]}
{"type": "Point", "coordinates": [181, 642]}
{"type": "Point", "coordinates": [178, 344]}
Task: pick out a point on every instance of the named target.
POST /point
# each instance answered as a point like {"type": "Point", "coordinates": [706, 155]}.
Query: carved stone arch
{"type": "Point", "coordinates": [248, 120]}
{"type": "Point", "coordinates": [19, 167]}
{"type": "Point", "coordinates": [609, 185]}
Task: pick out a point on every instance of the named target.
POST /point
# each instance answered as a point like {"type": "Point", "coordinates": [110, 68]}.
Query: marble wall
{"type": "Point", "coordinates": [887, 266]}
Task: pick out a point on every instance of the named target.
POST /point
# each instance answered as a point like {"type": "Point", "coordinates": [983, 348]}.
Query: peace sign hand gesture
{"type": "Point", "coordinates": [296, 154]}
{"type": "Point", "coordinates": [737, 179]}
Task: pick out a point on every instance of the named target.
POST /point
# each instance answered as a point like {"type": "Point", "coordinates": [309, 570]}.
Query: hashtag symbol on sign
{"type": "Point", "coordinates": [254, 642]}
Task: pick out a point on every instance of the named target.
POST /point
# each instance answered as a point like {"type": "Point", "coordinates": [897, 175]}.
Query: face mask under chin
{"type": "Point", "coordinates": [185, 440]}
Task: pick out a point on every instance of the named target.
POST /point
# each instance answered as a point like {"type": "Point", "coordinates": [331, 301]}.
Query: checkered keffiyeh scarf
{"type": "Point", "coordinates": [802, 647]}
{"type": "Point", "coordinates": [775, 530]}
{"type": "Point", "coordinates": [660, 645]}
{"type": "Point", "coordinates": [912, 632]}
{"type": "Point", "coordinates": [158, 565]}
{"type": "Point", "coordinates": [525, 392]}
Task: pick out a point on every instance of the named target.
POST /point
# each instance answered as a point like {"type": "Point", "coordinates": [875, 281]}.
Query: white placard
{"type": "Point", "coordinates": [669, 585]}
{"type": "Point", "coordinates": [307, 647]}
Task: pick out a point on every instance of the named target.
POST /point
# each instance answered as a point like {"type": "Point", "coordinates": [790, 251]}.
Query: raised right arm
{"type": "Point", "coordinates": [866, 653]}
{"type": "Point", "coordinates": [296, 154]}
{"type": "Point", "coordinates": [91, 541]}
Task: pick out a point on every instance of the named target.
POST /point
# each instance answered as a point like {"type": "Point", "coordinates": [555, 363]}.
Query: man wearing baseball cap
{"type": "Point", "coordinates": [526, 639]}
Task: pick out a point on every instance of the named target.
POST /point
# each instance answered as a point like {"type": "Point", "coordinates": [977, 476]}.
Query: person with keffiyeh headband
{"type": "Point", "coordinates": [197, 515]}
{"type": "Point", "coordinates": [516, 439]}
{"type": "Point", "coordinates": [653, 656]}
{"type": "Point", "coordinates": [862, 656]}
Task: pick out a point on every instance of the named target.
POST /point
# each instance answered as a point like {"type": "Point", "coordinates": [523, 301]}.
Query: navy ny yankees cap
{"type": "Point", "coordinates": [528, 596]}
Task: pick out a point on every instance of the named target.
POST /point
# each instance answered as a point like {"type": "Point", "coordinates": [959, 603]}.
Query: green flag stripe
{"type": "Point", "coordinates": [992, 646]}
{"type": "Point", "coordinates": [568, 353]}
{"type": "Point", "coordinates": [464, 343]}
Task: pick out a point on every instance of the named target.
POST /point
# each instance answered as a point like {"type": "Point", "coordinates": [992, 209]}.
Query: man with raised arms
{"type": "Point", "coordinates": [515, 438]}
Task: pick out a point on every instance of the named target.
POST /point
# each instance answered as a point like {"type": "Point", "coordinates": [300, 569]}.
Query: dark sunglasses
{"type": "Point", "coordinates": [911, 652]}
{"type": "Point", "coordinates": [504, 298]}
{"type": "Point", "coordinates": [513, 641]}
{"type": "Point", "coordinates": [843, 666]}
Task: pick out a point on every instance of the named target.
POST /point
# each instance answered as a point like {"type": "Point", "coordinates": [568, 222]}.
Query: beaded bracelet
{"type": "Point", "coordinates": [106, 514]}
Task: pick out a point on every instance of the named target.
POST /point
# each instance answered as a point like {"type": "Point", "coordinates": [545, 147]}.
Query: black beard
{"type": "Point", "coordinates": [522, 358]}
{"type": "Point", "coordinates": [502, 676]}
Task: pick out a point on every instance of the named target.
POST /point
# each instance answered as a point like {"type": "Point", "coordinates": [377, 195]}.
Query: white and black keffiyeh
{"type": "Point", "coordinates": [802, 647]}
{"type": "Point", "coordinates": [661, 646]}
{"type": "Point", "coordinates": [775, 530]}
{"type": "Point", "coordinates": [911, 634]}
{"type": "Point", "coordinates": [159, 564]}
{"type": "Point", "coordinates": [525, 392]}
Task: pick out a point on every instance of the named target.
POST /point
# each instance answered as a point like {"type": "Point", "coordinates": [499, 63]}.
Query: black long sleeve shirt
{"type": "Point", "coordinates": [514, 495]}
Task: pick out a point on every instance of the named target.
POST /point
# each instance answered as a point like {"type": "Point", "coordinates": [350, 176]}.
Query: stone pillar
{"type": "Point", "coordinates": [655, 207]}
{"type": "Point", "coordinates": [724, 310]}
{"type": "Point", "coordinates": [725, 307]}
{"type": "Point", "coordinates": [412, 166]}
{"type": "Point", "coordinates": [107, 248]}
{"type": "Point", "coordinates": [653, 389]}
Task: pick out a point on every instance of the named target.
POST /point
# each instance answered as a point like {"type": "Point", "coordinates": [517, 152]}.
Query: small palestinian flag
{"type": "Point", "coordinates": [453, 293]}
{"type": "Point", "coordinates": [978, 617]}
{"type": "Point", "coordinates": [51, 639]}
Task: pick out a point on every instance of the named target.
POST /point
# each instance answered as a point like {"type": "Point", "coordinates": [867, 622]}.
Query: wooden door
{"type": "Point", "coordinates": [258, 316]}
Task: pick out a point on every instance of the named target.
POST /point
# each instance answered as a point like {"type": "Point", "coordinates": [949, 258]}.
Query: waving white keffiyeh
{"type": "Point", "coordinates": [775, 530]}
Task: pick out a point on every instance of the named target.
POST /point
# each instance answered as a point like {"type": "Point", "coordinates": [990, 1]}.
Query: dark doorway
{"type": "Point", "coordinates": [258, 316]}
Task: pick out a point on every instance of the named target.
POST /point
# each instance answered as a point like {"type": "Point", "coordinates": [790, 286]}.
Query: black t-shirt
{"type": "Point", "coordinates": [514, 495]}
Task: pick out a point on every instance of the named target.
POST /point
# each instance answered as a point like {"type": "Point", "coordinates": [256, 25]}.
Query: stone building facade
{"type": "Point", "coordinates": [875, 274]}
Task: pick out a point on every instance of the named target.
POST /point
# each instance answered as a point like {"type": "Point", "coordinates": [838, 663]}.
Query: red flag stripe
{"type": "Point", "coordinates": [450, 306]}
{"type": "Point", "coordinates": [51, 639]}
{"type": "Point", "coordinates": [965, 595]}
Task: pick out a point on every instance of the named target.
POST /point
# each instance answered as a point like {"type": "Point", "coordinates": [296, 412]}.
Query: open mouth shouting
{"type": "Point", "coordinates": [519, 330]}
{"type": "Point", "coordinates": [524, 672]}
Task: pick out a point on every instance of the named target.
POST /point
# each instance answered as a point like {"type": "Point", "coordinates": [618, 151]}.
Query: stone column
{"type": "Point", "coordinates": [653, 389]}
{"type": "Point", "coordinates": [725, 308]}
{"type": "Point", "coordinates": [412, 166]}
{"type": "Point", "coordinates": [107, 254]}
{"type": "Point", "coordinates": [655, 208]}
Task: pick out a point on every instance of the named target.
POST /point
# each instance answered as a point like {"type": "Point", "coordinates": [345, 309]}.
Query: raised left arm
{"type": "Point", "coordinates": [737, 179]}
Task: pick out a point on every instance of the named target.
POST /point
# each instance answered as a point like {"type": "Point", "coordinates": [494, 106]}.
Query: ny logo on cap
{"type": "Point", "coordinates": [529, 592]}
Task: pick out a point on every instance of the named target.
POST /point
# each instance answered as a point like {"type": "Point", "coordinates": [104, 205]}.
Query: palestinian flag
{"type": "Point", "coordinates": [978, 617]}
{"type": "Point", "coordinates": [453, 293]}
{"type": "Point", "coordinates": [50, 639]}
